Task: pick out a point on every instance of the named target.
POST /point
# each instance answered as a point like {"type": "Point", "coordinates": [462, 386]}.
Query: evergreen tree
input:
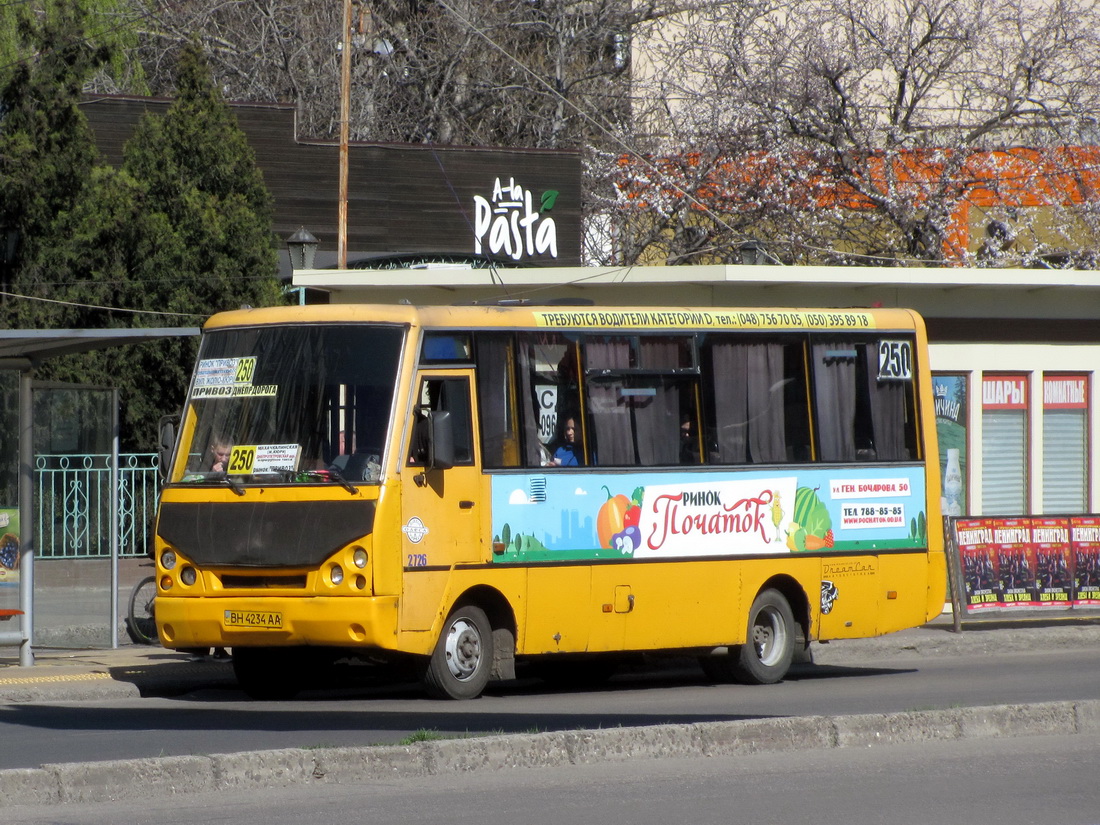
{"type": "Point", "coordinates": [206, 242]}
{"type": "Point", "coordinates": [46, 158]}
{"type": "Point", "coordinates": [110, 24]}
{"type": "Point", "coordinates": [183, 230]}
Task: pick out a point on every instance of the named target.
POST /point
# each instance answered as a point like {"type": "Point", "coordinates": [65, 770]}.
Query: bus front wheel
{"type": "Point", "coordinates": [460, 666]}
{"type": "Point", "coordinates": [766, 655]}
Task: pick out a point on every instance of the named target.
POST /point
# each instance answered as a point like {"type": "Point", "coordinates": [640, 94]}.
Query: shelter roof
{"type": "Point", "coordinates": [23, 348]}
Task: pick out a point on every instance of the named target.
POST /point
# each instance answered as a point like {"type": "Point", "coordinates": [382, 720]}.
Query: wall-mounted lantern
{"type": "Point", "coordinates": [302, 247]}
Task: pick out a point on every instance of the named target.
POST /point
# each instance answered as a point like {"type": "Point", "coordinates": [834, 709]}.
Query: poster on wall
{"type": "Point", "coordinates": [9, 546]}
{"type": "Point", "coordinates": [981, 581]}
{"type": "Point", "coordinates": [1015, 562]}
{"type": "Point", "coordinates": [1053, 561]}
{"type": "Point", "coordinates": [1085, 543]}
{"type": "Point", "coordinates": [949, 392]}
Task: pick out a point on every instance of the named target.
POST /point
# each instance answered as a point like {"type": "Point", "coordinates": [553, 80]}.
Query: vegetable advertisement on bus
{"type": "Point", "coordinates": [561, 515]}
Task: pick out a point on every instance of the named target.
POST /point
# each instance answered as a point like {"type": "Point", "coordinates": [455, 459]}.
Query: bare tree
{"type": "Point", "coordinates": [866, 132]}
{"type": "Point", "coordinates": [536, 73]}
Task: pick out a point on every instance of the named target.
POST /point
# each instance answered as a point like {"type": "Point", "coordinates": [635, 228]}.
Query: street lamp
{"type": "Point", "coordinates": [302, 246]}
{"type": "Point", "coordinates": [755, 253]}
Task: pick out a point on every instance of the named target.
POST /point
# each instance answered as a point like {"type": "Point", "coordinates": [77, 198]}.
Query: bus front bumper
{"type": "Point", "coordinates": [322, 621]}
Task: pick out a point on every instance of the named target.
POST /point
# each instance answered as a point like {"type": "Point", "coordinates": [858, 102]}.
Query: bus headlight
{"type": "Point", "coordinates": [168, 559]}
{"type": "Point", "coordinates": [336, 574]}
{"type": "Point", "coordinates": [359, 557]}
{"type": "Point", "coordinates": [188, 575]}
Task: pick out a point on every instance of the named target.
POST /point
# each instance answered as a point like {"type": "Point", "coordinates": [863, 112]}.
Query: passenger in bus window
{"type": "Point", "coordinates": [689, 441]}
{"type": "Point", "coordinates": [217, 454]}
{"type": "Point", "coordinates": [567, 452]}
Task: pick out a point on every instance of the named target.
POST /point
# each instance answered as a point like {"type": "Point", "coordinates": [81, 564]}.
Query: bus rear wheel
{"type": "Point", "coordinates": [460, 665]}
{"type": "Point", "coordinates": [766, 655]}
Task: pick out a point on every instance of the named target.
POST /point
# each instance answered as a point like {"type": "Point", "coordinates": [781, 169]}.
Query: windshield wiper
{"type": "Point", "coordinates": [343, 482]}
{"type": "Point", "coordinates": [235, 484]}
{"type": "Point", "coordinates": [332, 474]}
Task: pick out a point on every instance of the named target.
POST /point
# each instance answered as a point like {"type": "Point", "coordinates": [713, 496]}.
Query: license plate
{"type": "Point", "coordinates": [253, 618]}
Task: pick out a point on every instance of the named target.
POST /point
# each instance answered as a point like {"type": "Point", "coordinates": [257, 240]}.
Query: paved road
{"type": "Point", "coordinates": [920, 683]}
{"type": "Point", "coordinates": [1041, 779]}
{"type": "Point", "coordinates": [220, 720]}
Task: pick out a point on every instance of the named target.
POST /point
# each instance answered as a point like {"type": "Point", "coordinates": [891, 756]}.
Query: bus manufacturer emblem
{"type": "Point", "coordinates": [415, 530]}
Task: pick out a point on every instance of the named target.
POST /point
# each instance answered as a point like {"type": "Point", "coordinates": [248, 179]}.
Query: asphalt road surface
{"type": "Point", "coordinates": [1038, 779]}
{"type": "Point", "coordinates": [917, 670]}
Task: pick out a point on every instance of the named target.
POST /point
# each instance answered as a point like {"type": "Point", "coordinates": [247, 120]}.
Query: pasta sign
{"type": "Point", "coordinates": [509, 220]}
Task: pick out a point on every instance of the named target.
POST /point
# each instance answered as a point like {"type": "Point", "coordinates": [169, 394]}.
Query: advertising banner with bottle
{"type": "Point", "coordinates": [950, 400]}
{"type": "Point", "coordinates": [1041, 562]}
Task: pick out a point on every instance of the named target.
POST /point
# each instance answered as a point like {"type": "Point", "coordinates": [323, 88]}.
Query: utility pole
{"type": "Point", "coordinates": [345, 118]}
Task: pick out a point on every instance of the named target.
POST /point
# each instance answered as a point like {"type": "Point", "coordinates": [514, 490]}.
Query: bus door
{"type": "Point", "coordinates": [442, 506]}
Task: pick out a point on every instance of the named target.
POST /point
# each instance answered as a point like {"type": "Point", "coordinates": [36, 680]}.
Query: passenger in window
{"type": "Point", "coordinates": [217, 454]}
{"type": "Point", "coordinates": [566, 451]}
{"type": "Point", "coordinates": [689, 441]}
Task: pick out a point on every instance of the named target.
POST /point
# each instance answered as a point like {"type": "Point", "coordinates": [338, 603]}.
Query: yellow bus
{"type": "Point", "coordinates": [464, 488]}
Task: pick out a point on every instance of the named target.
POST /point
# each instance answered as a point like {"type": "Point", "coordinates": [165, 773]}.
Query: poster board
{"type": "Point", "coordinates": [1041, 563]}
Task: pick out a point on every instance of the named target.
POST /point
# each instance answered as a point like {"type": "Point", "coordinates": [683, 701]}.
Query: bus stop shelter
{"type": "Point", "coordinates": [22, 351]}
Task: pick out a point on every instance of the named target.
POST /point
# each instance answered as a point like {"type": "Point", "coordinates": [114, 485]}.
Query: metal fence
{"type": "Point", "coordinates": [73, 503]}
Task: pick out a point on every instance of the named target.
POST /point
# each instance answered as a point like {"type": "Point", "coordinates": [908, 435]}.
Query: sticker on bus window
{"type": "Point", "coordinates": [229, 378]}
{"type": "Point", "coordinates": [247, 459]}
{"type": "Point", "coordinates": [895, 361]}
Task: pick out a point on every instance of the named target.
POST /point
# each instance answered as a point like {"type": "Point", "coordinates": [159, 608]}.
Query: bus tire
{"type": "Point", "coordinates": [460, 665]}
{"type": "Point", "coordinates": [268, 674]}
{"type": "Point", "coordinates": [766, 655]}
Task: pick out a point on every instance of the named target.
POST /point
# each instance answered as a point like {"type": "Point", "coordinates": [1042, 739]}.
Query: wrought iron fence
{"type": "Point", "coordinates": [73, 503]}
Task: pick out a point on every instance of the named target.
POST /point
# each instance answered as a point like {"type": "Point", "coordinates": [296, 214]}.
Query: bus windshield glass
{"type": "Point", "coordinates": [291, 404]}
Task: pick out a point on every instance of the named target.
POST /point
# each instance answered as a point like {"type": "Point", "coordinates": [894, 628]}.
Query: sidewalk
{"type": "Point", "coordinates": [129, 670]}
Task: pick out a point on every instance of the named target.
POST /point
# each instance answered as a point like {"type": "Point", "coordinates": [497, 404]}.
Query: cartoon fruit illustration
{"type": "Point", "coordinates": [812, 527]}
{"type": "Point", "coordinates": [627, 541]}
{"type": "Point", "coordinates": [777, 512]}
{"type": "Point", "coordinates": [611, 519]}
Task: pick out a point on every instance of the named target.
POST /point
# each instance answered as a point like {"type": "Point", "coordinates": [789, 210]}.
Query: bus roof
{"type": "Point", "coordinates": [577, 318]}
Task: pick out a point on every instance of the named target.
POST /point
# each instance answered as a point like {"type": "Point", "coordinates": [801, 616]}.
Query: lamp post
{"type": "Point", "coordinates": [345, 118]}
{"type": "Point", "coordinates": [302, 247]}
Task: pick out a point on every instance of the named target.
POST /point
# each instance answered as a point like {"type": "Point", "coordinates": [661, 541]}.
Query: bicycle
{"type": "Point", "coordinates": [141, 623]}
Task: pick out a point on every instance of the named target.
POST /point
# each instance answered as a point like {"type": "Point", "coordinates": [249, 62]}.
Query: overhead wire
{"type": "Point", "coordinates": [78, 305]}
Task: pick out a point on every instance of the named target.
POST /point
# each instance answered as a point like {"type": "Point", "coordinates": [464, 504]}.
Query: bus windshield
{"type": "Point", "coordinates": [291, 404]}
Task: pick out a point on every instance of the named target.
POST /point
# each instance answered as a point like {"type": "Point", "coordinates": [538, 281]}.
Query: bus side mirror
{"type": "Point", "coordinates": [166, 431]}
{"type": "Point", "coordinates": [441, 440]}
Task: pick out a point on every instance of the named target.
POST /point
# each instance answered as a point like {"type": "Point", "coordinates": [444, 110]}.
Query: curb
{"type": "Point", "coordinates": [136, 779]}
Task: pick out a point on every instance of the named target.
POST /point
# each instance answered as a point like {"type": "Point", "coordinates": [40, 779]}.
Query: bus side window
{"type": "Point", "coordinates": [859, 416]}
{"type": "Point", "coordinates": [453, 395]}
{"type": "Point", "coordinates": [498, 399]}
{"type": "Point", "coordinates": [757, 400]}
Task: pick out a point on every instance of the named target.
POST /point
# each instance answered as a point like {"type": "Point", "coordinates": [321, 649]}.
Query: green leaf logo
{"type": "Point", "coordinates": [549, 198]}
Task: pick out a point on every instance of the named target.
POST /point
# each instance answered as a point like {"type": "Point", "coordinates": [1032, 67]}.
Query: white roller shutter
{"type": "Point", "coordinates": [1065, 455]}
{"type": "Point", "coordinates": [1004, 462]}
